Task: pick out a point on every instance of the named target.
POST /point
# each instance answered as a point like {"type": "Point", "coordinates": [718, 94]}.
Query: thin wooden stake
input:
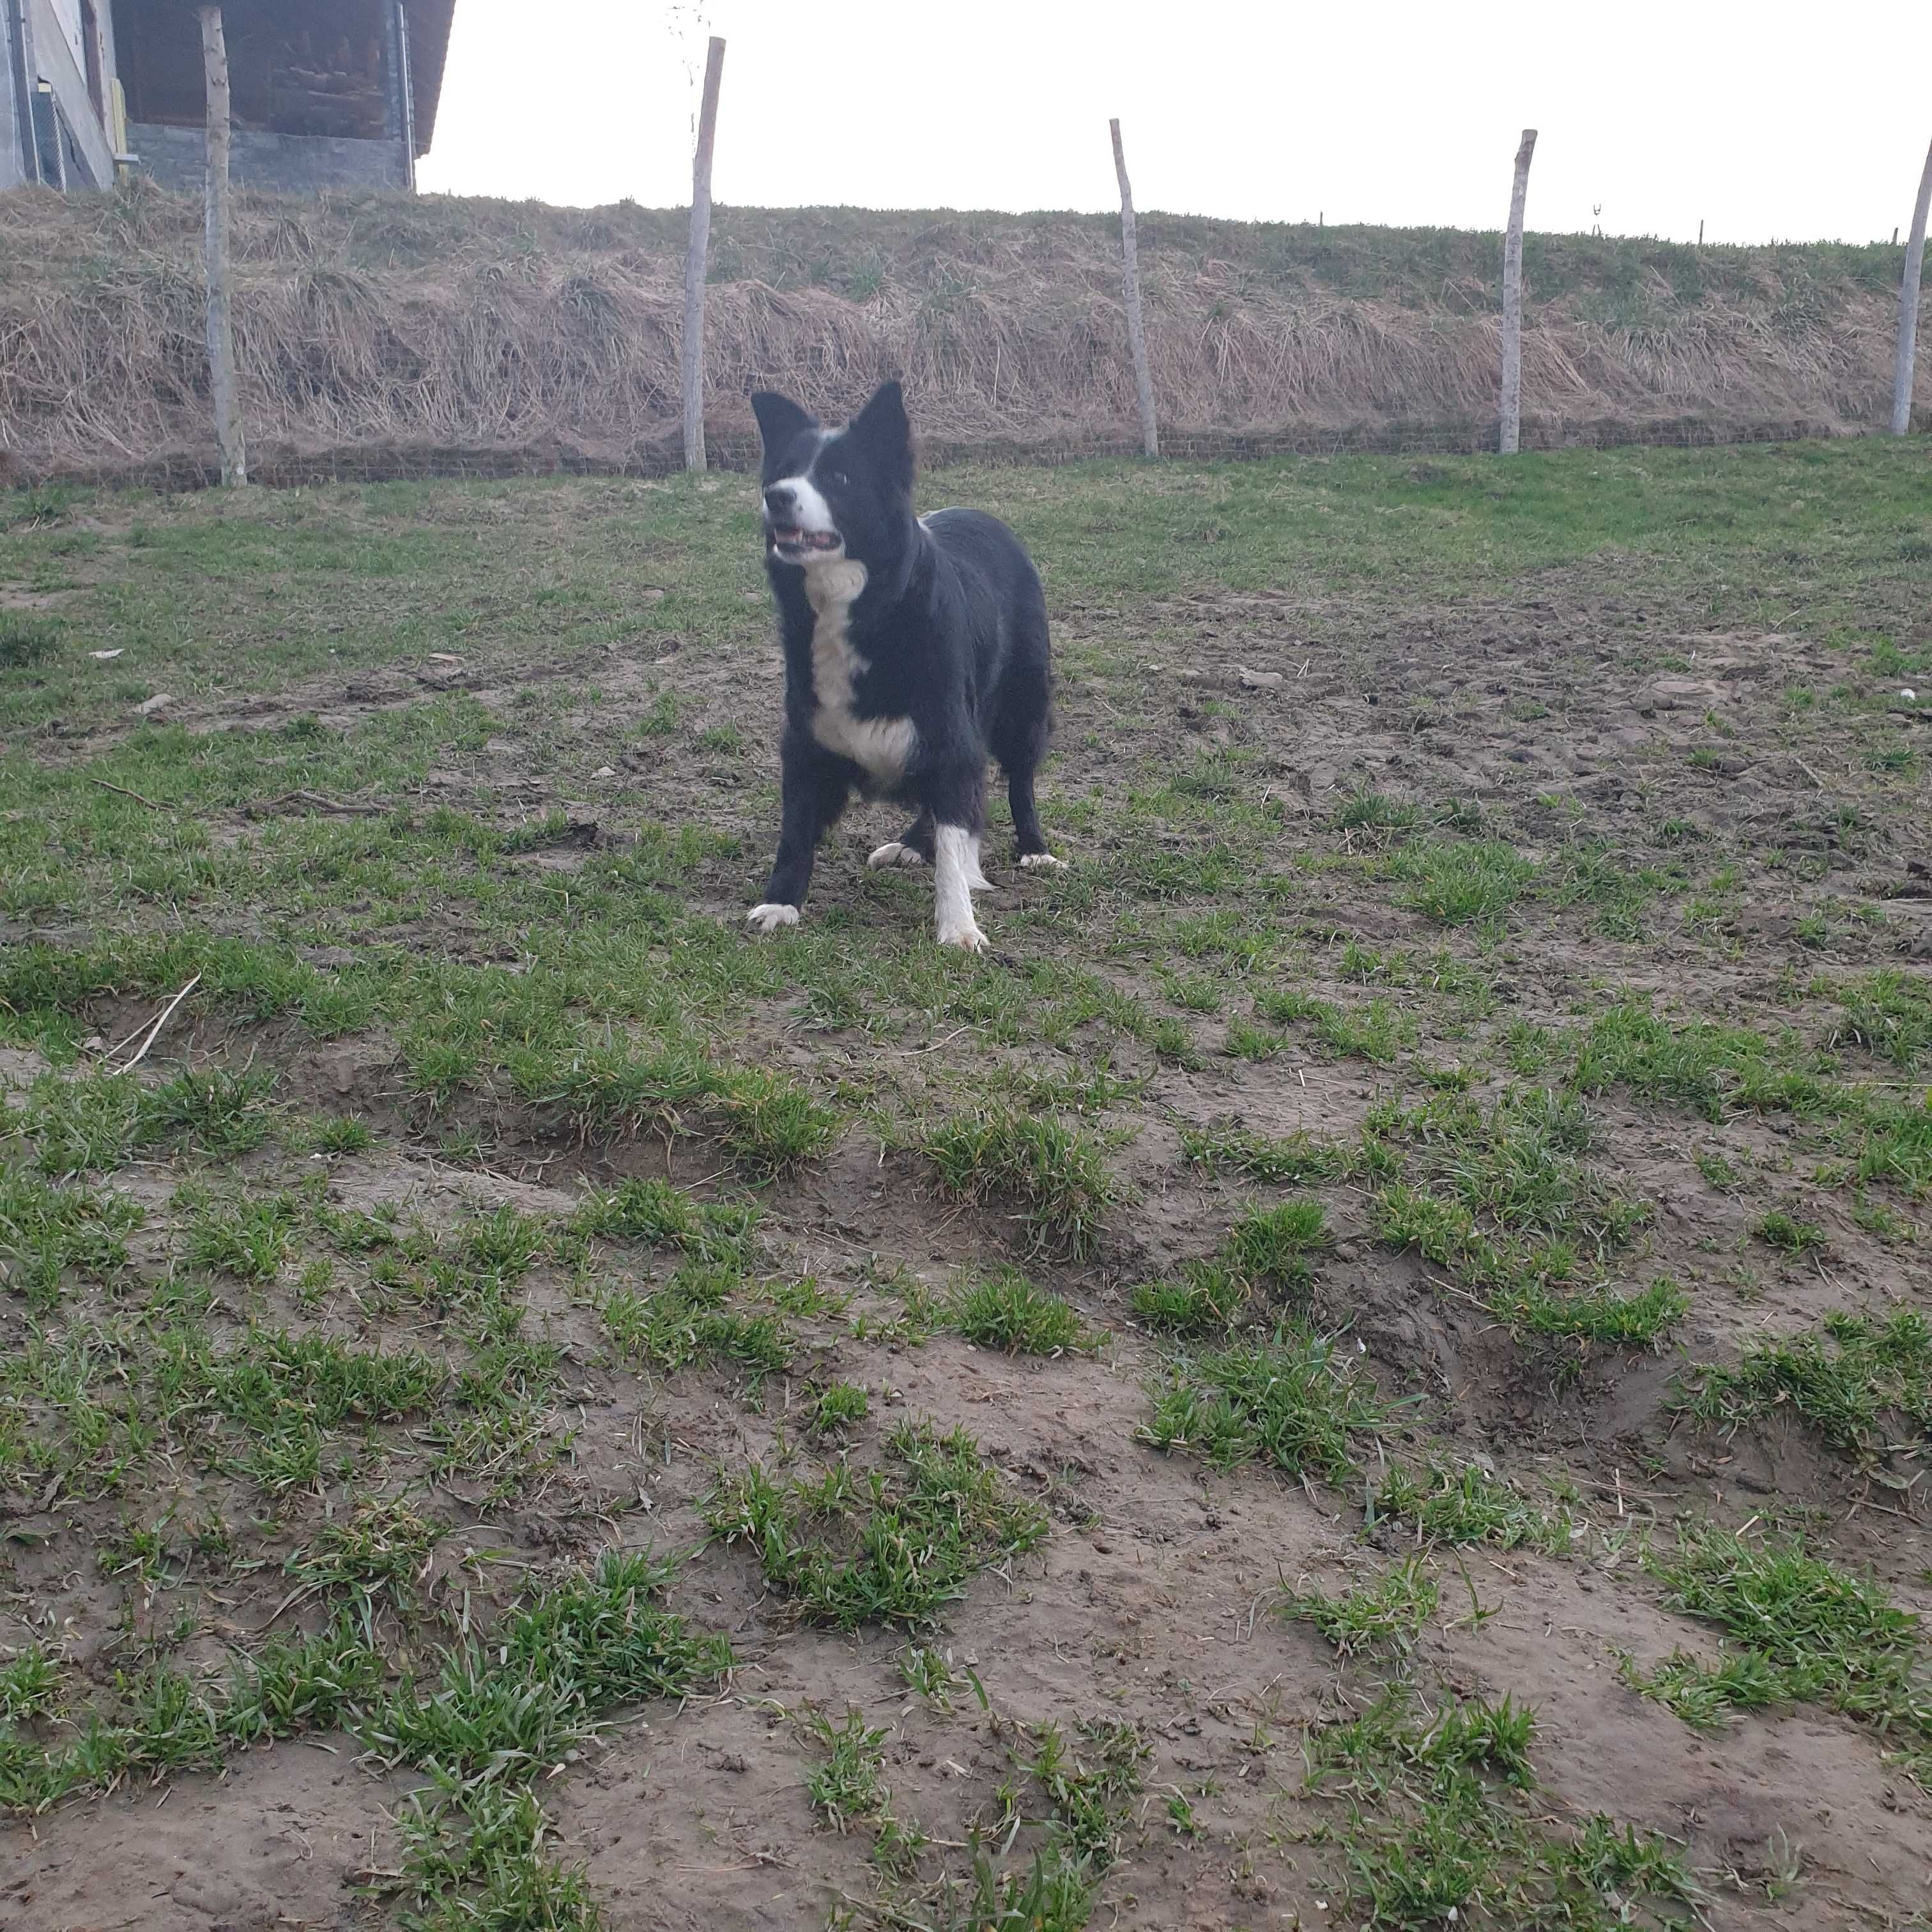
{"type": "Point", "coordinates": [1908, 307]}
{"type": "Point", "coordinates": [694, 262]}
{"type": "Point", "coordinates": [1511, 436]}
{"type": "Point", "coordinates": [1136, 328]}
{"type": "Point", "coordinates": [221, 315]}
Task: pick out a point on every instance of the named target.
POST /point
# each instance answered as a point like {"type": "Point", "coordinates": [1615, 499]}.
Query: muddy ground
{"type": "Point", "coordinates": [1717, 811]}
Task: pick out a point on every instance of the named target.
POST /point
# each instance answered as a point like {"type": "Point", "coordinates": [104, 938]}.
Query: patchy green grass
{"type": "Point", "coordinates": [270, 1336]}
{"type": "Point", "coordinates": [1860, 1382]}
{"type": "Point", "coordinates": [1442, 1503]}
{"type": "Point", "coordinates": [1055, 1178]}
{"type": "Point", "coordinates": [1800, 1631]}
{"type": "Point", "coordinates": [1460, 881]}
{"type": "Point", "coordinates": [1501, 1198]}
{"type": "Point", "coordinates": [1389, 1611]}
{"type": "Point", "coordinates": [1005, 1310]}
{"type": "Point", "coordinates": [1432, 1831]}
{"type": "Point", "coordinates": [1265, 1261]}
{"type": "Point", "coordinates": [837, 1409]}
{"type": "Point", "coordinates": [847, 1785]}
{"type": "Point", "coordinates": [1294, 1161]}
{"type": "Point", "coordinates": [676, 1324]}
{"type": "Point", "coordinates": [1300, 1401]}
{"type": "Point", "coordinates": [1790, 1233]}
{"type": "Point", "coordinates": [892, 1544]}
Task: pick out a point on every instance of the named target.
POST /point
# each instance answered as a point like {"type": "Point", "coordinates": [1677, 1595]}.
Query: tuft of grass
{"type": "Point", "coordinates": [927, 1671]}
{"type": "Point", "coordinates": [1787, 1232]}
{"type": "Point", "coordinates": [1091, 1796]}
{"type": "Point", "coordinates": [249, 1240]}
{"type": "Point", "coordinates": [685, 1321]}
{"type": "Point", "coordinates": [216, 1110]}
{"type": "Point", "coordinates": [1292, 1161]}
{"type": "Point", "coordinates": [1265, 1254]}
{"type": "Point", "coordinates": [1636, 1321]}
{"type": "Point", "coordinates": [838, 1408]}
{"type": "Point", "coordinates": [1270, 1247]}
{"type": "Point", "coordinates": [1507, 1205]}
{"type": "Point", "coordinates": [647, 1209]}
{"type": "Point", "coordinates": [1300, 1400]}
{"type": "Point", "coordinates": [1459, 881]}
{"type": "Point", "coordinates": [1804, 1632]}
{"type": "Point", "coordinates": [1858, 1382]}
{"type": "Point", "coordinates": [341, 1133]}
{"type": "Point", "coordinates": [47, 1230]}
{"type": "Point", "coordinates": [505, 1707]}
{"type": "Point", "coordinates": [892, 1544]}
{"type": "Point", "coordinates": [382, 1549]}
{"type": "Point", "coordinates": [847, 1785]}
{"type": "Point", "coordinates": [1207, 1299]}
{"type": "Point", "coordinates": [1391, 1610]}
{"type": "Point", "coordinates": [1056, 1175]}
{"type": "Point", "coordinates": [1706, 1069]}
{"type": "Point", "coordinates": [767, 1120]}
{"type": "Point", "coordinates": [1380, 819]}
{"type": "Point", "coordinates": [1005, 1310]}
{"type": "Point", "coordinates": [1375, 1031]}
{"type": "Point", "coordinates": [1889, 1013]}
{"type": "Point", "coordinates": [90, 1122]}
{"type": "Point", "coordinates": [1428, 1840]}
{"type": "Point", "coordinates": [30, 1686]}
{"type": "Point", "coordinates": [1447, 1504]}
{"type": "Point", "coordinates": [26, 640]}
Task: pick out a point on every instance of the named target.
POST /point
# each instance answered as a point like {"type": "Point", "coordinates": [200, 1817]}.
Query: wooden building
{"type": "Point", "coordinates": [324, 93]}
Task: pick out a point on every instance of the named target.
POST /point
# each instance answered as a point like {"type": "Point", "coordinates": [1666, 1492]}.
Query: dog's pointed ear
{"type": "Point", "coordinates": [883, 427]}
{"type": "Point", "coordinates": [779, 418]}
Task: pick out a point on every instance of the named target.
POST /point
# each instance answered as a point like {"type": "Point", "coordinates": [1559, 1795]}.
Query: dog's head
{"type": "Point", "coordinates": [832, 493]}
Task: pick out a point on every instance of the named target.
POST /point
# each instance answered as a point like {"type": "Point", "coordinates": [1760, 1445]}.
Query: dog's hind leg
{"type": "Point", "coordinates": [1021, 729]}
{"type": "Point", "coordinates": [912, 847]}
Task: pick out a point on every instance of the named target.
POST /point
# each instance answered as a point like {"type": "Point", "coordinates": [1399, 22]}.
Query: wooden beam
{"type": "Point", "coordinates": [1131, 280]}
{"type": "Point", "coordinates": [1908, 307]}
{"type": "Point", "coordinates": [694, 261]}
{"type": "Point", "coordinates": [1511, 433]}
{"type": "Point", "coordinates": [221, 317]}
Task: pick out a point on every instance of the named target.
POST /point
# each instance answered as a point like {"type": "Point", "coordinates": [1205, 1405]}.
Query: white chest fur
{"type": "Point", "coordinates": [883, 746]}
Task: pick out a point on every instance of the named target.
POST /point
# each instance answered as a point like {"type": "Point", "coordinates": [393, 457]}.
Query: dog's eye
{"type": "Point", "coordinates": [837, 478]}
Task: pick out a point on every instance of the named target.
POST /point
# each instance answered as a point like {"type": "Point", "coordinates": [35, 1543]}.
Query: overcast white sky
{"type": "Point", "coordinates": [1766, 120]}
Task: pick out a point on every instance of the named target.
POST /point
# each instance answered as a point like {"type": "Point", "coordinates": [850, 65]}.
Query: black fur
{"type": "Point", "coordinates": [951, 626]}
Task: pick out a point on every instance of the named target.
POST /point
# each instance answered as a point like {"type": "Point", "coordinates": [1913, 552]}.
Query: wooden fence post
{"type": "Point", "coordinates": [1511, 435]}
{"type": "Point", "coordinates": [694, 262]}
{"type": "Point", "coordinates": [1908, 307]}
{"type": "Point", "coordinates": [220, 314]}
{"type": "Point", "coordinates": [1136, 328]}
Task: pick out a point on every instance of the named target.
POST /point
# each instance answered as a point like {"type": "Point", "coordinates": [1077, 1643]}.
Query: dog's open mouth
{"type": "Point", "coordinates": [789, 537]}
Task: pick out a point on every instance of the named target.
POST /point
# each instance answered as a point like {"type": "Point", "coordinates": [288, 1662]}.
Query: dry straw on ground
{"type": "Point", "coordinates": [394, 333]}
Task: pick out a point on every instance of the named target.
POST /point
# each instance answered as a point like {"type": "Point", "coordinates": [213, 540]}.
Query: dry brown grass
{"type": "Point", "coordinates": [453, 329]}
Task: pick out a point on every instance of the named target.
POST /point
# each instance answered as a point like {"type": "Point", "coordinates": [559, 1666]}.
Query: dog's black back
{"type": "Point", "coordinates": [913, 646]}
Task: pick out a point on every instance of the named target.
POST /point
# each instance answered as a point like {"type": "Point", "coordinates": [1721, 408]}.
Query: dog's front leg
{"type": "Point", "coordinates": [956, 876]}
{"type": "Point", "coordinates": [815, 789]}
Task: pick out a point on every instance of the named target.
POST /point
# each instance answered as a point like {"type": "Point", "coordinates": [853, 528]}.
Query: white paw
{"type": "Point", "coordinates": [894, 854]}
{"type": "Point", "coordinates": [769, 918]}
{"type": "Point", "coordinates": [1043, 862]}
{"type": "Point", "coordinates": [968, 937]}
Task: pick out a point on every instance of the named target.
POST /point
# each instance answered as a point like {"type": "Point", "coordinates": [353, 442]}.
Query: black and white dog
{"type": "Point", "coordinates": [914, 646]}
